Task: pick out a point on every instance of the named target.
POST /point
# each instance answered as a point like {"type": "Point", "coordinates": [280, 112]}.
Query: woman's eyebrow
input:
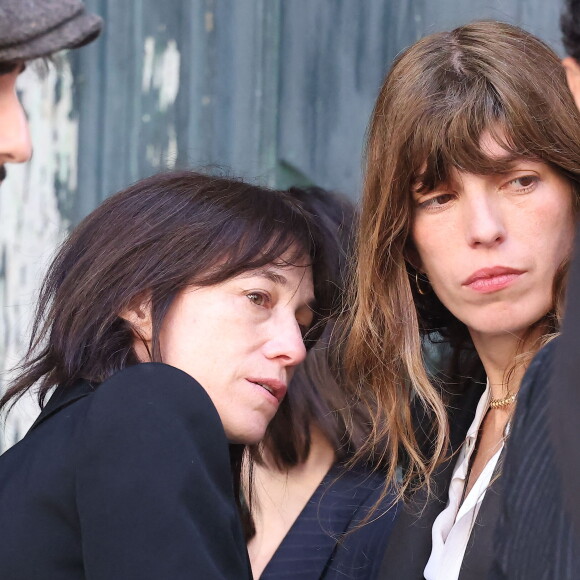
{"type": "Point", "coordinates": [277, 278]}
{"type": "Point", "coordinates": [269, 274]}
{"type": "Point", "coordinates": [7, 67]}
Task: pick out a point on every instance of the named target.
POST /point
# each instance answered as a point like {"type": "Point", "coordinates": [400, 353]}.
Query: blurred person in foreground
{"type": "Point", "coordinates": [31, 29]}
{"type": "Point", "coordinates": [537, 534]}
{"type": "Point", "coordinates": [309, 506]}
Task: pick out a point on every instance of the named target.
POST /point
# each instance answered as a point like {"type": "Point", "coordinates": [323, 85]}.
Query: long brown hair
{"type": "Point", "coordinates": [155, 238]}
{"type": "Point", "coordinates": [441, 95]}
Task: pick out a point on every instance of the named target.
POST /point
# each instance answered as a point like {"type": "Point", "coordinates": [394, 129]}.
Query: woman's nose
{"type": "Point", "coordinates": [286, 343]}
{"type": "Point", "coordinates": [484, 225]}
{"type": "Point", "coordinates": [15, 144]}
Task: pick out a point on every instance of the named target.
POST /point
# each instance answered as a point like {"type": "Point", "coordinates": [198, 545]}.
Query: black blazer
{"type": "Point", "coordinates": [563, 394]}
{"type": "Point", "coordinates": [410, 546]}
{"type": "Point", "coordinates": [314, 548]}
{"type": "Point", "coordinates": [130, 479]}
{"type": "Point", "coordinates": [535, 536]}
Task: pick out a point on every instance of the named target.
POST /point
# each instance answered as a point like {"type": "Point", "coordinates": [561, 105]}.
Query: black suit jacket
{"type": "Point", "coordinates": [315, 549]}
{"type": "Point", "coordinates": [534, 538]}
{"type": "Point", "coordinates": [130, 479]}
{"type": "Point", "coordinates": [563, 394]}
{"type": "Point", "coordinates": [410, 545]}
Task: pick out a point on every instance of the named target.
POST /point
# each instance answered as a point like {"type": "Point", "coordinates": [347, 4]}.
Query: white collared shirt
{"type": "Point", "coordinates": [452, 528]}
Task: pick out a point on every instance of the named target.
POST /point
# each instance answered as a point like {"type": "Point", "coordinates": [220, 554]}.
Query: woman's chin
{"type": "Point", "coordinates": [249, 436]}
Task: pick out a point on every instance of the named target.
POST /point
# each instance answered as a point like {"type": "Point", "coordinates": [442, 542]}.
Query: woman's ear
{"type": "Point", "coordinates": [412, 257]}
{"type": "Point", "coordinates": [138, 315]}
{"type": "Point", "coordinates": [572, 68]}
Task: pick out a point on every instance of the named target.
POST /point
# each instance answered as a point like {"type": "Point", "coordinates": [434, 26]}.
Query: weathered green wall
{"type": "Point", "coordinates": [278, 91]}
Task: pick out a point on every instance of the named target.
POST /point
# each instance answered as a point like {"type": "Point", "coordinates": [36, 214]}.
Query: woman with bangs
{"type": "Point", "coordinates": [467, 223]}
{"type": "Point", "coordinates": [169, 326]}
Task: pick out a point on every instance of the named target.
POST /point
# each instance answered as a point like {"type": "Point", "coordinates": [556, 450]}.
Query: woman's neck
{"type": "Point", "coordinates": [280, 496]}
{"type": "Point", "coordinates": [499, 356]}
{"type": "Point", "coordinates": [321, 455]}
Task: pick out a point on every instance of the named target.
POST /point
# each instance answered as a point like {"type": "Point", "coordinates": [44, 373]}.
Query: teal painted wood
{"type": "Point", "coordinates": [276, 91]}
{"type": "Point", "coordinates": [184, 83]}
{"type": "Point", "coordinates": [335, 54]}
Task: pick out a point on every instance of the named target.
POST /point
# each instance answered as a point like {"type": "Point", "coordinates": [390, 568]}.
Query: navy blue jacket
{"type": "Point", "coordinates": [128, 479]}
{"type": "Point", "coordinates": [325, 543]}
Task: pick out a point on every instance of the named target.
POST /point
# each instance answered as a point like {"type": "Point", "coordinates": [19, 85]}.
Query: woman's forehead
{"type": "Point", "coordinates": [492, 152]}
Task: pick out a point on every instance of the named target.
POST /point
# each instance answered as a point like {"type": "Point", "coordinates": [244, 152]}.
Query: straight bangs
{"type": "Point", "coordinates": [264, 227]}
{"type": "Point", "coordinates": [272, 230]}
{"type": "Point", "coordinates": [470, 90]}
{"type": "Point", "coordinates": [449, 136]}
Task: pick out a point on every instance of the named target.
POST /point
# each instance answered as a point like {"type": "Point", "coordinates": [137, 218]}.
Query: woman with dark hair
{"type": "Point", "coordinates": [468, 215]}
{"type": "Point", "coordinates": [309, 505]}
{"type": "Point", "coordinates": [168, 326]}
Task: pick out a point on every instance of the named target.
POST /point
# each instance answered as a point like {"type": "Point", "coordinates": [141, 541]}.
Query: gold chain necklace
{"type": "Point", "coordinates": [498, 403]}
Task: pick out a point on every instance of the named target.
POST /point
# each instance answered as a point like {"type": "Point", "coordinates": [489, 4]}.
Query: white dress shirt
{"type": "Point", "coordinates": [452, 528]}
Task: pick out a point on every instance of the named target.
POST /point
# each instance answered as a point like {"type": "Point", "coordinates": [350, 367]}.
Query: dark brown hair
{"type": "Point", "coordinates": [314, 397]}
{"type": "Point", "coordinates": [155, 238]}
{"type": "Point", "coordinates": [441, 95]}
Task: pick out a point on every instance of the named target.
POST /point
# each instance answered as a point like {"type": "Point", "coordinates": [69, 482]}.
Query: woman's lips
{"type": "Point", "coordinates": [492, 279]}
{"type": "Point", "coordinates": [275, 388]}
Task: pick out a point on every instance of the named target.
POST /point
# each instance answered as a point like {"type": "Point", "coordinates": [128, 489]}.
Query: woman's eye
{"type": "Point", "coordinates": [437, 201]}
{"type": "Point", "coordinates": [258, 298]}
{"type": "Point", "coordinates": [524, 182]}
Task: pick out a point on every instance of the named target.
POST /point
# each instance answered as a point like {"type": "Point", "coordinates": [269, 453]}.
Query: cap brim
{"type": "Point", "coordinates": [73, 33]}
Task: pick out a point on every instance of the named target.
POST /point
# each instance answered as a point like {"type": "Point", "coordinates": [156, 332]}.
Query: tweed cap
{"type": "Point", "coordinates": [34, 28]}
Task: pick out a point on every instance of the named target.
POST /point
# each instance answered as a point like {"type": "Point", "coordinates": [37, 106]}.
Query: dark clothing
{"type": "Point", "coordinates": [410, 545]}
{"type": "Point", "coordinates": [128, 480]}
{"type": "Point", "coordinates": [564, 396]}
{"type": "Point", "coordinates": [312, 549]}
{"type": "Point", "coordinates": [31, 29]}
{"type": "Point", "coordinates": [534, 537]}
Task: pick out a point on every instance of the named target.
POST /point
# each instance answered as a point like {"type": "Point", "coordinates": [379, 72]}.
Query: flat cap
{"type": "Point", "coordinates": [35, 28]}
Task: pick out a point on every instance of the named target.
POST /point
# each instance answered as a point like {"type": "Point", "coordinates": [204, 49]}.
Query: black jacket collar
{"type": "Point", "coordinates": [410, 543]}
{"type": "Point", "coordinates": [62, 397]}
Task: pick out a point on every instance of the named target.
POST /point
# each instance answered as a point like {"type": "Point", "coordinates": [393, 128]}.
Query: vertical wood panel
{"type": "Point", "coordinates": [335, 54]}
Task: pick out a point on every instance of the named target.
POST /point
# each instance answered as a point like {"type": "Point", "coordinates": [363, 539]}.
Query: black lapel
{"type": "Point", "coordinates": [477, 562]}
{"type": "Point", "coordinates": [311, 541]}
{"type": "Point", "coordinates": [63, 397]}
{"type": "Point", "coordinates": [410, 543]}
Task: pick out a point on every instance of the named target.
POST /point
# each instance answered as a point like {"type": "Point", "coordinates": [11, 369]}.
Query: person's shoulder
{"type": "Point", "coordinates": [545, 356]}
{"type": "Point", "coordinates": [155, 385]}
{"type": "Point", "coordinates": [152, 376]}
{"type": "Point", "coordinates": [373, 509]}
{"type": "Point", "coordinates": [360, 489]}
{"type": "Point", "coordinates": [155, 397]}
